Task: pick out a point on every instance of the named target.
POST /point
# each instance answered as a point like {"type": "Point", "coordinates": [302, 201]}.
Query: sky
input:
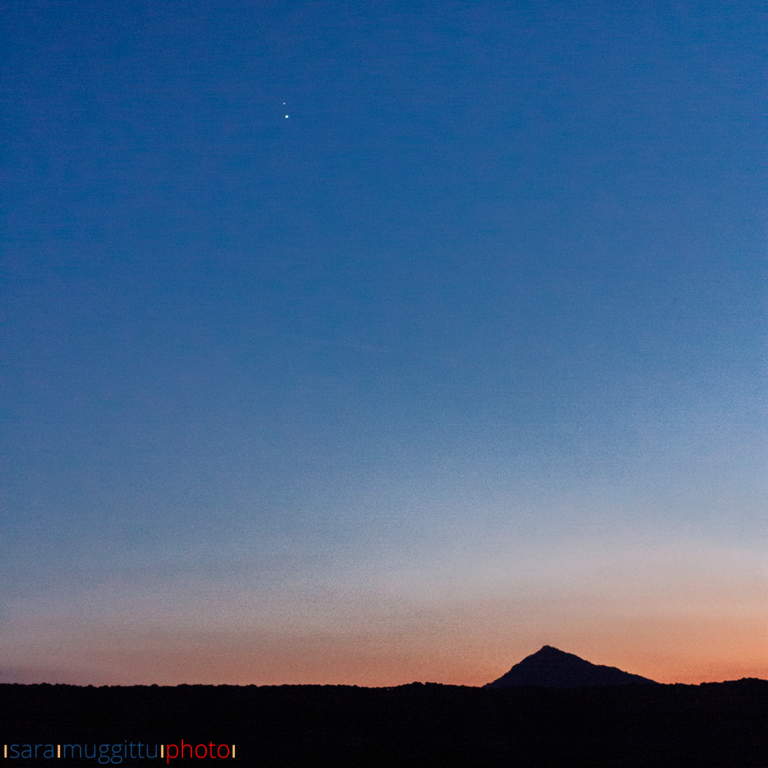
{"type": "Point", "coordinates": [365, 343]}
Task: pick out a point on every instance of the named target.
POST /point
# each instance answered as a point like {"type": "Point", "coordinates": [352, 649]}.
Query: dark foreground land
{"type": "Point", "coordinates": [718, 725]}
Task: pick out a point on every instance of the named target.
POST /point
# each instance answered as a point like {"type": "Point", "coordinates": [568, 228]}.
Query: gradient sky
{"type": "Point", "coordinates": [371, 342]}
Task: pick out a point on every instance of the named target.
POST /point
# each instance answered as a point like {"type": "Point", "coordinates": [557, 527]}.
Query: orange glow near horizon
{"type": "Point", "coordinates": [688, 651]}
{"type": "Point", "coordinates": [678, 615]}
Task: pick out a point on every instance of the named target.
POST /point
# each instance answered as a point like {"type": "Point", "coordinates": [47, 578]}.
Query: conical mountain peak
{"type": "Point", "coordinates": [552, 668]}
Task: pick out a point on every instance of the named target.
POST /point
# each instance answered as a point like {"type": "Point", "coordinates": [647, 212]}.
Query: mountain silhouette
{"type": "Point", "coordinates": [552, 668]}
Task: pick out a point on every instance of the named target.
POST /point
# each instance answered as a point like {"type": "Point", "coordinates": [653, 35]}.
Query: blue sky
{"type": "Point", "coordinates": [345, 331]}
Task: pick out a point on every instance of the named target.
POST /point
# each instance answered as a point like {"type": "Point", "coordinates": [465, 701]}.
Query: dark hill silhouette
{"type": "Point", "coordinates": [714, 725]}
{"type": "Point", "coordinates": [552, 668]}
